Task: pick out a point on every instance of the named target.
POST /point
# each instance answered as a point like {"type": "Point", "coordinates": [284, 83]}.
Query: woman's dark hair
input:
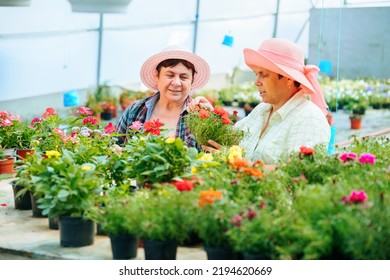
{"type": "Point", "coordinates": [173, 62]}
{"type": "Point", "coordinates": [296, 84]}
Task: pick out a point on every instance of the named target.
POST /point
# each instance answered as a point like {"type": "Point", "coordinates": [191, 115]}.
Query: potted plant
{"type": "Point", "coordinates": [357, 108]}
{"type": "Point", "coordinates": [155, 158]}
{"type": "Point", "coordinates": [68, 190]}
{"type": "Point", "coordinates": [24, 140]}
{"type": "Point", "coordinates": [116, 212]}
{"type": "Point", "coordinates": [166, 212]}
{"type": "Point", "coordinates": [6, 163]}
{"type": "Point", "coordinates": [9, 123]}
{"type": "Point", "coordinates": [99, 6]}
{"type": "Point", "coordinates": [15, 3]}
{"type": "Point", "coordinates": [217, 125]}
{"type": "Point", "coordinates": [103, 100]}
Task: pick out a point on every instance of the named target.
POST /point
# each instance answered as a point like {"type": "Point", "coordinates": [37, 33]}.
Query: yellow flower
{"type": "Point", "coordinates": [51, 154]}
{"type": "Point", "coordinates": [85, 167]}
{"type": "Point", "coordinates": [206, 156]}
{"type": "Point", "coordinates": [194, 170]}
{"type": "Point", "coordinates": [235, 152]}
{"type": "Point", "coordinates": [170, 140]}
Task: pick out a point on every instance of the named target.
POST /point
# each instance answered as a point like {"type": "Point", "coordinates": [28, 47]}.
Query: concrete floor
{"type": "Point", "coordinates": [25, 237]}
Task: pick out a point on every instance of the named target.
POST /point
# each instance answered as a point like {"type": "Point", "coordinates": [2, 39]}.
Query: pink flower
{"type": "Point", "coordinates": [136, 125]}
{"type": "Point", "coordinates": [91, 120]}
{"type": "Point", "coordinates": [348, 157]}
{"type": "Point", "coordinates": [109, 128]}
{"type": "Point", "coordinates": [367, 158]}
{"type": "Point", "coordinates": [355, 197]}
{"type": "Point", "coordinates": [236, 220]}
{"type": "Point", "coordinates": [59, 131]}
{"type": "Point", "coordinates": [6, 122]}
{"type": "Point", "coordinates": [83, 111]}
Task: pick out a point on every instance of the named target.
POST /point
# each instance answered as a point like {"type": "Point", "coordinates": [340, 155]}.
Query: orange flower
{"type": "Point", "coordinates": [208, 197]}
{"type": "Point", "coordinates": [239, 162]}
{"type": "Point", "coordinates": [252, 171]}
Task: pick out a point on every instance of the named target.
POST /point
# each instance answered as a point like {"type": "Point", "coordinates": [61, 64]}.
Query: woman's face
{"type": "Point", "coordinates": [174, 83]}
{"type": "Point", "coordinates": [272, 88]}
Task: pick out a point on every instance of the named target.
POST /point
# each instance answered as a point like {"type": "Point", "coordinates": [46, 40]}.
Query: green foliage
{"type": "Point", "coordinates": [215, 126]}
{"type": "Point", "coordinates": [156, 159]}
{"type": "Point", "coordinates": [166, 213]}
{"type": "Point", "coordinates": [65, 187]}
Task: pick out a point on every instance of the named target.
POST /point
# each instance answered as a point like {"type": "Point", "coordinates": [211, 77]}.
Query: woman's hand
{"type": "Point", "coordinates": [215, 147]}
{"type": "Point", "coordinates": [199, 102]}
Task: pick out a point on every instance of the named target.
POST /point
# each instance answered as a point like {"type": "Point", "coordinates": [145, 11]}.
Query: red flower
{"type": "Point", "coordinates": [220, 111]}
{"type": "Point", "coordinates": [225, 119]}
{"type": "Point", "coordinates": [251, 214]}
{"type": "Point", "coordinates": [306, 151]}
{"type": "Point", "coordinates": [153, 126]}
{"type": "Point", "coordinates": [91, 120]}
{"type": "Point", "coordinates": [109, 128]}
{"type": "Point", "coordinates": [3, 204]}
{"type": "Point", "coordinates": [204, 113]}
{"type": "Point", "coordinates": [49, 112]}
{"type": "Point", "coordinates": [185, 185]}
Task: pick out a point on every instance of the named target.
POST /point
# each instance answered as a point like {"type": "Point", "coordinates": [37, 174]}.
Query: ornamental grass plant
{"type": "Point", "coordinates": [217, 125]}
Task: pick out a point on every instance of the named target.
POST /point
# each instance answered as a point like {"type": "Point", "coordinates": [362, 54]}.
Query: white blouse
{"type": "Point", "coordinates": [299, 122]}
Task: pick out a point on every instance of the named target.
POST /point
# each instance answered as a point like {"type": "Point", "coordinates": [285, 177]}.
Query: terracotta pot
{"type": "Point", "coordinates": [356, 123]}
{"type": "Point", "coordinates": [7, 165]}
{"type": "Point", "coordinates": [22, 153]}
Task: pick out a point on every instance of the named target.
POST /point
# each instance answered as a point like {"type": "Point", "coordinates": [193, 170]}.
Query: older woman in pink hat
{"type": "Point", "coordinates": [173, 73]}
{"type": "Point", "coordinates": [286, 119]}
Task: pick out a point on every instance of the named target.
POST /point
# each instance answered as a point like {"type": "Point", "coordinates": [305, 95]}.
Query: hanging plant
{"type": "Point", "coordinates": [15, 3]}
{"type": "Point", "coordinates": [99, 6]}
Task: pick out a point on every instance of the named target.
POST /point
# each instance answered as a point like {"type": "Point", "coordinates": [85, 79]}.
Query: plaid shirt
{"type": "Point", "coordinates": [141, 110]}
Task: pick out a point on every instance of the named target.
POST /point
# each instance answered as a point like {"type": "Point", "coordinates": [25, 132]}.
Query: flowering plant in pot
{"type": "Point", "coordinates": [116, 212]}
{"type": "Point", "coordinates": [9, 123]}
{"type": "Point", "coordinates": [68, 190]}
{"type": "Point", "coordinates": [166, 212]}
{"type": "Point", "coordinates": [155, 158]}
{"type": "Point", "coordinates": [217, 125]}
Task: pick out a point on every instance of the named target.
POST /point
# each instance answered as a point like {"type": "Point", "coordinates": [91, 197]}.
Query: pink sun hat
{"type": "Point", "coordinates": [202, 68]}
{"type": "Point", "coordinates": [284, 57]}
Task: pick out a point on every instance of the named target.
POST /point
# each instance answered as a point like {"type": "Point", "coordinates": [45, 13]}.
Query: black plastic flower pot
{"type": "Point", "coordinates": [123, 246]}
{"type": "Point", "coordinates": [22, 202]}
{"type": "Point", "coordinates": [160, 250]}
{"type": "Point", "coordinates": [76, 232]}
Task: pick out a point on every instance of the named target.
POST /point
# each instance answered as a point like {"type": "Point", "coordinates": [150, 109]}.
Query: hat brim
{"type": "Point", "coordinates": [202, 68]}
{"type": "Point", "coordinates": [254, 58]}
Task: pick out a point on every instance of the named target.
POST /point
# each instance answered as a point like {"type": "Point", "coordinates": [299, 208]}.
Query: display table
{"type": "Point", "coordinates": [25, 237]}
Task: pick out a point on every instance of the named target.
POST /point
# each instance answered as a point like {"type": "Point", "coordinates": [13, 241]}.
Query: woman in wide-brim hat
{"type": "Point", "coordinates": [285, 120]}
{"type": "Point", "coordinates": [173, 73]}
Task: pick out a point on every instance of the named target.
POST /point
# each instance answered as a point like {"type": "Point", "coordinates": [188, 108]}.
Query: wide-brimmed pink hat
{"type": "Point", "coordinates": [286, 58]}
{"type": "Point", "coordinates": [202, 68]}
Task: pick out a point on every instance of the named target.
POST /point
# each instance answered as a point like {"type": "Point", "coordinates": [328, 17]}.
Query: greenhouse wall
{"type": "Point", "coordinates": [363, 48]}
